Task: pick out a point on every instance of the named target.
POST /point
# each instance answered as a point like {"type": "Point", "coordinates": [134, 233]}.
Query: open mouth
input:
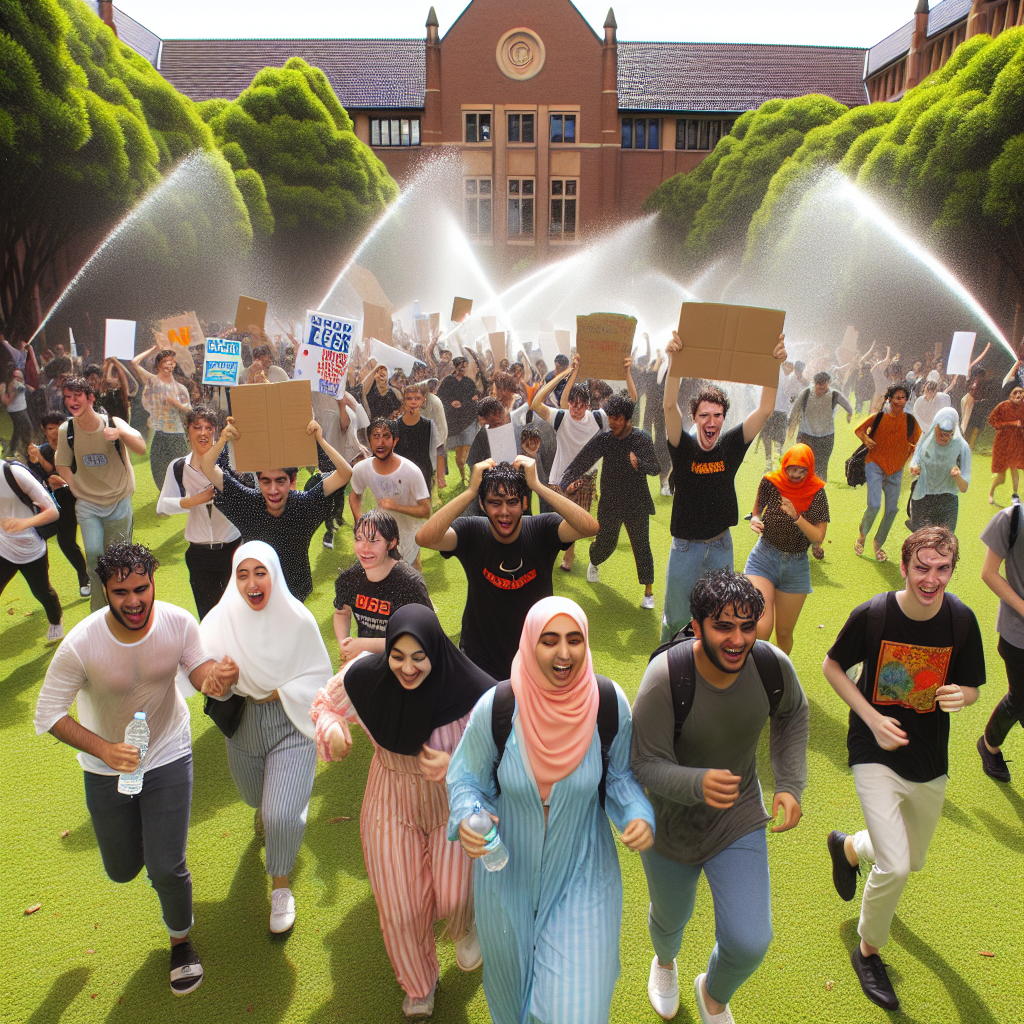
{"type": "Point", "coordinates": [562, 670]}
{"type": "Point", "coordinates": [134, 617]}
{"type": "Point", "coordinates": [709, 434]}
{"type": "Point", "coordinates": [256, 598]}
{"type": "Point", "coordinates": [733, 656]}
{"type": "Point", "coordinates": [928, 591]}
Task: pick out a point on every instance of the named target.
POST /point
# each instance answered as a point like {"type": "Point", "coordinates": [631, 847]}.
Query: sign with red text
{"type": "Point", "coordinates": [323, 356]}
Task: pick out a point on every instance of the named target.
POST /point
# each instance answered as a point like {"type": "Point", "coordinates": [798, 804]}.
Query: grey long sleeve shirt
{"type": "Point", "coordinates": [721, 731]}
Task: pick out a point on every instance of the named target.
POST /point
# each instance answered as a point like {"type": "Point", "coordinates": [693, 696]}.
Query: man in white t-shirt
{"type": "Point", "coordinates": [398, 486]}
{"type": "Point", "coordinates": [21, 548]}
{"type": "Point", "coordinates": [117, 662]}
{"type": "Point", "coordinates": [926, 407]}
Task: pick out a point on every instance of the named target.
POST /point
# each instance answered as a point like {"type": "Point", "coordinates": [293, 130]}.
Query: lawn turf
{"type": "Point", "coordinates": [97, 951]}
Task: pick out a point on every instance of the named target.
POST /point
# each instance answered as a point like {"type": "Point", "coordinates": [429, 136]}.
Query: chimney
{"type": "Point", "coordinates": [918, 42]}
{"type": "Point", "coordinates": [106, 13]}
{"type": "Point", "coordinates": [977, 18]}
{"type": "Point", "coordinates": [611, 134]}
{"type": "Point", "coordinates": [430, 131]}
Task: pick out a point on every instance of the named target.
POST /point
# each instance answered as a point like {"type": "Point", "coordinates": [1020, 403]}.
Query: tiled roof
{"type": "Point", "coordinates": [375, 73]}
{"type": "Point", "coordinates": [894, 46]}
{"type": "Point", "coordinates": [733, 76]}
{"type": "Point", "coordinates": [132, 34]}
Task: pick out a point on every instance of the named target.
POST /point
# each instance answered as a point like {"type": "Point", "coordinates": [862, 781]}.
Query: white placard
{"type": "Point", "coordinates": [548, 346]}
{"type": "Point", "coordinates": [119, 341]}
{"type": "Point", "coordinates": [959, 360]}
{"type": "Point", "coordinates": [503, 442]}
{"type": "Point", "coordinates": [392, 358]}
{"type": "Point", "coordinates": [562, 341]}
{"type": "Point", "coordinates": [490, 323]}
{"type": "Point", "coordinates": [323, 356]}
{"type": "Point", "coordinates": [222, 362]}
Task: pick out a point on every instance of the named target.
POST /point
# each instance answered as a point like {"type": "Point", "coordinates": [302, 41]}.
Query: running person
{"type": "Point", "coordinates": [941, 468]}
{"type": "Point", "coordinates": [166, 400]}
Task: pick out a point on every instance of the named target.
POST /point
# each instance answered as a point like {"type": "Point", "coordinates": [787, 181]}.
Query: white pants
{"type": "Point", "coordinates": [901, 817]}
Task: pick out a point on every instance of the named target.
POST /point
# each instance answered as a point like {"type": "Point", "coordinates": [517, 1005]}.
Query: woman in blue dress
{"type": "Point", "coordinates": [548, 922]}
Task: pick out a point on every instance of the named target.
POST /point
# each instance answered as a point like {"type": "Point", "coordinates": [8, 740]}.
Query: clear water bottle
{"type": "Point", "coordinates": [482, 823]}
{"type": "Point", "coordinates": [137, 734]}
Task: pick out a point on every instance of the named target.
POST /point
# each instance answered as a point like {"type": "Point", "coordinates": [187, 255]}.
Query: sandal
{"type": "Point", "coordinates": [880, 555]}
{"type": "Point", "coordinates": [858, 547]}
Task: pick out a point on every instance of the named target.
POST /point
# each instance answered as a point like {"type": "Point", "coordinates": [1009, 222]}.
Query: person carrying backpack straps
{"type": "Point", "coordinates": [812, 420]}
{"type": "Point", "coordinates": [697, 719]}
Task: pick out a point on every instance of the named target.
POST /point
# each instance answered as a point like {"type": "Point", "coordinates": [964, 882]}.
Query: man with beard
{"type": "Point", "coordinates": [212, 537]}
{"type": "Point", "coordinates": [507, 556]}
{"type": "Point", "coordinates": [697, 719]}
{"type": "Point", "coordinates": [459, 396]}
{"type": "Point", "coordinates": [704, 467]}
{"type": "Point", "coordinates": [119, 661]}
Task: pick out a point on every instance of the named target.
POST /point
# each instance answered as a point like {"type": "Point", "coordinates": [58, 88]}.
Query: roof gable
{"type": "Point", "coordinates": [897, 43]}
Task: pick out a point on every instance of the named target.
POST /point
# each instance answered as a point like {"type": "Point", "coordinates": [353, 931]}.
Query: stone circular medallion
{"type": "Point", "coordinates": [520, 54]}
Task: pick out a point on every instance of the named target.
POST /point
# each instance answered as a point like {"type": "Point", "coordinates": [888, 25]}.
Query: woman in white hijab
{"type": "Point", "coordinates": [941, 468]}
{"type": "Point", "coordinates": [282, 662]}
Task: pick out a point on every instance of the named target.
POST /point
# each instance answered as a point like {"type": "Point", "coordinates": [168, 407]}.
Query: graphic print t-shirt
{"type": "Point", "coordinates": [705, 491]}
{"type": "Point", "coordinates": [900, 679]}
{"type": "Point", "coordinates": [372, 603]}
{"type": "Point", "coordinates": [504, 582]}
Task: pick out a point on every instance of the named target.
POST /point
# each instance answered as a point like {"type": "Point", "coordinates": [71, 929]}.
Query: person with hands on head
{"type": "Point", "coordinates": [922, 658]}
{"type": "Point", "coordinates": [412, 699]}
{"type": "Point", "coordinates": [167, 401]}
{"type": "Point", "coordinates": [549, 920]}
{"type": "Point", "coordinates": [697, 718]}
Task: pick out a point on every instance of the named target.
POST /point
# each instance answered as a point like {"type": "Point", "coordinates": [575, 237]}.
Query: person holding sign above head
{"type": "Point", "coordinates": [704, 506]}
{"type": "Point", "coordinates": [380, 398]}
{"type": "Point", "coordinates": [166, 400]}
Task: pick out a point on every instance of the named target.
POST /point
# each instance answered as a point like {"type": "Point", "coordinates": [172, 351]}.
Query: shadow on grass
{"type": "Point", "coordinates": [28, 676]}
{"type": "Point", "coordinates": [954, 814]}
{"type": "Point", "coordinates": [1012, 838]}
{"type": "Point", "coordinates": [1015, 799]}
{"type": "Point", "coordinates": [61, 995]}
{"type": "Point", "coordinates": [827, 736]}
{"type": "Point", "coordinates": [213, 788]}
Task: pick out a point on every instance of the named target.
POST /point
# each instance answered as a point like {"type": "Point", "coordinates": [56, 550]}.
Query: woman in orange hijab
{"type": "Point", "coordinates": [790, 514]}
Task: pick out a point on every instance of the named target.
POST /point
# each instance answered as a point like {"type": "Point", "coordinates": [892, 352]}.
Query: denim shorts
{"type": "Point", "coordinates": [788, 573]}
{"type": "Point", "coordinates": [464, 438]}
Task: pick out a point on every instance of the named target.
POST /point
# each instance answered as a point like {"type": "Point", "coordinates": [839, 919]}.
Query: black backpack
{"type": "Point", "coordinates": [45, 531]}
{"type": "Point", "coordinates": [71, 442]}
{"type": "Point", "coordinates": [607, 725]}
{"type": "Point", "coordinates": [179, 472]}
{"type": "Point", "coordinates": [855, 471]}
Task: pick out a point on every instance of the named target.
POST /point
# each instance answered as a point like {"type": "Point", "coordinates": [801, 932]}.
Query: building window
{"type": "Point", "coordinates": [563, 209]}
{"type": "Point", "coordinates": [563, 128]}
{"type": "Point", "coordinates": [478, 127]}
{"type": "Point", "coordinates": [520, 207]}
{"type": "Point", "coordinates": [395, 131]}
{"type": "Point", "coordinates": [641, 133]}
{"type": "Point", "coordinates": [520, 127]}
{"type": "Point", "coordinates": [697, 133]}
{"type": "Point", "coordinates": [478, 207]}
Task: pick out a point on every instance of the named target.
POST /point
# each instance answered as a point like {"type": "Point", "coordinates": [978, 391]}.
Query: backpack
{"type": "Point", "coordinates": [45, 531]}
{"type": "Point", "coordinates": [682, 675]}
{"type": "Point", "coordinates": [179, 472]}
{"type": "Point", "coordinates": [807, 395]}
{"type": "Point", "coordinates": [855, 464]}
{"type": "Point", "coordinates": [71, 442]}
{"type": "Point", "coordinates": [607, 725]}
{"type": "Point", "coordinates": [560, 415]}
{"type": "Point", "coordinates": [1014, 526]}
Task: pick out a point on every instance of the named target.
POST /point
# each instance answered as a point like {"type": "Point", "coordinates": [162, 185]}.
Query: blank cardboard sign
{"type": "Point", "coordinates": [603, 340]}
{"type": "Point", "coordinates": [562, 340]}
{"type": "Point", "coordinates": [461, 308]}
{"type": "Point", "coordinates": [497, 343]}
{"type": "Point", "coordinates": [250, 313]}
{"type": "Point", "coordinates": [271, 421]}
{"type": "Point", "coordinates": [377, 323]}
{"type": "Point", "coordinates": [724, 342]}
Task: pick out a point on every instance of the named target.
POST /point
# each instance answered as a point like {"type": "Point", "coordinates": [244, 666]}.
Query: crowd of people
{"type": "Point", "coordinates": [515, 723]}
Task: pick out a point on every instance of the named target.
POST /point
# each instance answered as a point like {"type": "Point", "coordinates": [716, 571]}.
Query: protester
{"type": "Point", "coordinates": [118, 661]}
{"type": "Point", "coordinates": [413, 699]}
{"type": "Point", "coordinates": [922, 658]}
{"type": "Point", "coordinates": [115, 391]}
{"type": "Point", "coordinates": [166, 400]}
{"type": "Point", "coordinates": [549, 921]}
{"type": "Point", "coordinates": [701, 774]}
{"type": "Point", "coordinates": [790, 513]}
{"type": "Point", "coordinates": [335, 416]}
{"type": "Point", "coordinates": [416, 437]}
{"type": "Point", "coordinates": [262, 369]}
{"type": "Point", "coordinates": [812, 419]}
{"type": "Point", "coordinates": [433, 410]}
{"type": "Point", "coordinates": [941, 466]}
{"type": "Point", "coordinates": [458, 396]}
{"type": "Point", "coordinates": [381, 399]}
{"type": "Point", "coordinates": [508, 556]}
{"type": "Point", "coordinates": [15, 400]}
{"type": "Point", "coordinates": [1007, 418]}
{"type": "Point", "coordinates": [880, 378]}
{"type": "Point", "coordinates": [927, 407]}
{"type": "Point", "coordinates": [774, 429]}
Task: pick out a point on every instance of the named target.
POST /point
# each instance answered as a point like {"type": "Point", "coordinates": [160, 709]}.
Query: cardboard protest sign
{"type": "Point", "coordinates": [323, 356]}
{"type": "Point", "coordinates": [271, 420]}
{"type": "Point", "coordinates": [603, 341]}
{"type": "Point", "coordinates": [222, 362]}
{"type": "Point", "coordinates": [435, 321]}
{"type": "Point", "coordinates": [422, 330]}
{"type": "Point", "coordinates": [461, 308]}
{"type": "Point", "coordinates": [377, 323]}
{"type": "Point", "coordinates": [562, 341]}
{"type": "Point", "coordinates": [119, 340]}
{"type": "Point", "coordinates": [503, 442]}
{"type": "Point", "coordinates": [496, 340]}
{"type": "Point", "coordinates": [960, 352]}
{"type": "Point", "coordinates": [724, 342]}
{"type": "Point", "coordinates": [392, 358]}
{"type": "Point", "coordinates": [490, 323]}
{"type": "Point", "coordinates": [548, 346]}
{"type": "Point", "coordinates": [250, 313]}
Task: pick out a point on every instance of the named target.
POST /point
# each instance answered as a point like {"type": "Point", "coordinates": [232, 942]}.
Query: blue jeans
{"type": "Point", "coordinates": [741, 891]}
{"type": "Point", "coordinates": [688, 560]}
{"type": "Point", "coordinates": [879, 484]}
{"type": "Point", "coordinates": [101, 526]}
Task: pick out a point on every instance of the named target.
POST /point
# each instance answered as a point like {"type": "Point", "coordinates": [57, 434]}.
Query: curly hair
{"type": "Point", "coordinates": [579, 393]}
{"type": "Point", "coordinates": [381, 423]}
{"type": "Point", "coordinates": [505, 481]}
{"type": "Point", "coordinates": [202, 412]}
{"type": "Point", "coordinates": [620, 405]}
{"type": "Point", "coordinates": [75, 384]}
{"type": "Point", "coordinates": [120, 560]}
{"type": "Point", "coordinates": [716, 590]}
{"type": "Point", "coordinates": [490, 406]}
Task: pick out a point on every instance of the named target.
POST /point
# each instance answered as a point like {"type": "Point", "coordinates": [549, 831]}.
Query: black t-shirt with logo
{"type": "Point", "coordinates": [372, 603]}
{"type": "Point", "coordinates": [899, 679]}
{"type": "Point", "coordinates": [505, 582]}
{"type": "Point", "coordinates": [705, 489]}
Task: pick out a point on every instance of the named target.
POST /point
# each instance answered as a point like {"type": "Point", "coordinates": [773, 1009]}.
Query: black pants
{"type": "Point", "coordinates": [337, 499]}
{"type": "Point", "coordinates": [37, 576]}
{"type": "Point", "coordinates": [209, 573]}
{"type": "Point", "coordinates": [22, 433]}
{"type": "Point", "coordinates": [611, 517]}
{"type": "Point", "coordinates": [1011, 708]}
{"type": "Point", "coordinates": [67, 534]}
{"type": "Point", "coordinates": [822, 448]}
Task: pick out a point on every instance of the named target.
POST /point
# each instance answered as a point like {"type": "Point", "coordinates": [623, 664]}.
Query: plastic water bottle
{"type": "Point", "coordinates": [137, 734]}
{"type": "Point", "coordinates": [482, 823]}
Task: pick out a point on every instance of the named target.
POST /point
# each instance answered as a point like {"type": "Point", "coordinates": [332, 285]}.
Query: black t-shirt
{"type": "Point", "coordinates": [505, 582]}
{"type": "Point", "coordinates": [900, 678]}
{"type": "Point", "coordinates": [451, 389]}
{"type": "Point", "coordinates": [705, 485]}
{"type": "Point", "coordinates": [385, 405]}
{"type": "Point", "coordinates": [288, 534]}
{"type": "Point", "coordinates": [372, 603]}
{"type": "Point", "coordinates": [413, 443]}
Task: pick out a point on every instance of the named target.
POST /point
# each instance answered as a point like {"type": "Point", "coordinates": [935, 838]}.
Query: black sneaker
{"type": "Point", "coordinates": [993, 765]}
{"type": "Point", "coordinates": [874, 979]}
{"type": "Point", "coordinates": [329, 541]}
{"type": "Point", "coordinates": [186, 970]}
{"type": "Point", "coordinates": [844, 874]}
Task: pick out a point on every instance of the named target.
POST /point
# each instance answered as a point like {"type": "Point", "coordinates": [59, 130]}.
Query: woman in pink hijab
{"type": "Point", "coordinates": [548, 922]}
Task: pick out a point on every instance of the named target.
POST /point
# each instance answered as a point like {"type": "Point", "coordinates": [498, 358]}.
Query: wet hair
{"type": "Point", "coordinates": [517, 366]}
{"type": "Point", "coordinates": [52, 418]}
{"type": "Point", "coordinates": [411, 386]}
{"type": "Point", "coordinates": [61, 366]}
{"type": "Point", "coordinates": [201, 412]}
{"type": "Point", "coordinates": [893, 388]}
{"type": "Point", "coordinates": [504, 381]}
{"type": "Point", "coordinates": [378, 523]}
{"type": "Point", "coordinates": [939, 538]}
{"type": "Point", "coordinates": [709, 393]}
{"type": "Point", "coordinates": [120, 560]}
{"type": "Point", "coordinates": [261, 351]}
{"type": "Point", "coordinates": [165, 353]}
{"type": "Point", "coordinates": [620, 405]}
{"type": "Point", "coordinates": [799, 366]}
{"type": "Point", "coordinates": [529, 433]}
{"type": "Point", "coordinates": [91, 369]}
{"type": "Point", "coordinates": [715, 591]}
{"type": "Point", "coordinates": [79, 384]}
{"type": "Point", "coordinates": [505, 481]}
{"type": "Point", "coordinates": [579, 393]}
{"type": "Point", "coordinates": [822, 378]}
{"type": "Point", "coordinates": [381, 423]}
{"type": "Point", "coordinates": [490, 406]}
{"type": "Point", "coordinates": [290, 471]}
{"type": "Point", "coordinates": [561, 360]}
{"type": "Point", "coordinates": [460, 361]}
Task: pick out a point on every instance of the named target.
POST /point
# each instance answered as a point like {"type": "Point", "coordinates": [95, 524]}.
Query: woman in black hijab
{"type": "Point", "coordinates": [413, 701]}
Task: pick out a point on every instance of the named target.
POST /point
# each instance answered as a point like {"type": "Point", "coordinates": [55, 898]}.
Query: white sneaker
{"type": "Point", "coordinates": [648, 601]}
{"type": "Point", "coordinates": [725, 1017]}
{"type": "Point", "coordinates": [86, 590]}
{"type": "Point", "coordinates": [665, 491]}
{"type": "Point", "coordinates": [419, 1007]}
{"type": "Point", "coordinates": [55, 632]}
{"type": "Point", "coordinates": [591, 573]}
{"type": "Point", "coordinates": [663, 989]}
{"type": "Point", "coordinates": [467, 952]}
{"type": "Point", "coordinates": [282, 910]}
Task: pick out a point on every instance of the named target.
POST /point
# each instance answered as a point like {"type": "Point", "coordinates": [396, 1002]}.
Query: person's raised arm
{"type": "Point", "coordinates": [576, 522]}
{"type": "Point", "coordinates": [574, 369]}
{"type": "Point", "coordinates": [1012, 373]}
{"type": "Point", "coordinates": [342, 470]}
{"type": "Point", "coordinates": [537, 405]}
{"type": "Point", "coordinates": [756, 420]}
{"type": "Point", "coordinates": [137, 366]}
{"type": "Point", "coordinates": [627, 365]}
{"type": "Point", "coordinates": [436, 532]}
{"type": "Point", "coordinates": [371, 369]}
{"type": "Point", "coordinates": [208, 462]}
{"type": "Point", "coordinates": [647, 344]}
{"type": "Point", "coordinates": [670, 396]}
{"type": "Point", "coordinates": [343, 408]}
{"type": "Point", "coordinates": [985, 352]}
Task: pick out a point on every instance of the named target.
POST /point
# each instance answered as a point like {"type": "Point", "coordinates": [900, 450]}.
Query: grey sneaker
{"type": "Point", "coordinates": [419, 1007]}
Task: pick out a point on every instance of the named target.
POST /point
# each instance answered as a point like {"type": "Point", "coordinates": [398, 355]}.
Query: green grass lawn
{"type": "Point", "coordinates": [97, 951]}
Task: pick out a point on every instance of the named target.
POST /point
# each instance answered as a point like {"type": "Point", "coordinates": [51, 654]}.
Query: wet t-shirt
{"type": "Point", "coordinates": [372, 603]}
{"type": "Point", "coordinates": [705, 491]}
